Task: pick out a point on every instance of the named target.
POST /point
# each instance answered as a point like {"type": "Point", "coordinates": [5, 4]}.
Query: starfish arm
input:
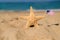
{"type": "Point", "coordinates": [40, 17]}
{"type": "Point", "coordinates": [24, 17]}
{"type": "Point", "coordinates": [27, 24]}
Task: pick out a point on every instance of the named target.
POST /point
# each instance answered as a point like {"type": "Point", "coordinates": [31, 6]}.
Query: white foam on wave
{"type": "Point", "coordinates": [44, 9]}
{"type": "Point", "coordinates": [28, 10]}
{"type": "Point", "coordinates": [47, 9]}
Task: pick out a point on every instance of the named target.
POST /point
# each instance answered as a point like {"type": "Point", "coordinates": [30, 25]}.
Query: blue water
{"type": "Point", "coordinates": [26, 5]}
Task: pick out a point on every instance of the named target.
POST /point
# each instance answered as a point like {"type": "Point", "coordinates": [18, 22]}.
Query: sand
{"type": "Point", "coordinates": [13, 28]}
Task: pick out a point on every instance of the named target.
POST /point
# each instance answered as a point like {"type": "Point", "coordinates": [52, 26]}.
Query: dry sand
{"type": "Point", "coordinates": [12, 27]}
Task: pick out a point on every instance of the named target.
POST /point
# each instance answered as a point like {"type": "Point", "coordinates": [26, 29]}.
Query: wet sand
{"type": "Point", "coordinates": [12, 27]}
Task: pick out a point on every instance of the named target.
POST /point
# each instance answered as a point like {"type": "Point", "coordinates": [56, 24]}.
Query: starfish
{"type": "Point", "coordinates": [31, 19]}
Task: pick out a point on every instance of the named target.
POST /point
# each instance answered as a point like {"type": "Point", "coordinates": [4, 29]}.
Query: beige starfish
{"type": "Point", "coordinates": [32, 19]}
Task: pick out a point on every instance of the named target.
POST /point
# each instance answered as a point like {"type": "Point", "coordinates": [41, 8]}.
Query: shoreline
{"type": "Point", "coordinates": [28, 10]}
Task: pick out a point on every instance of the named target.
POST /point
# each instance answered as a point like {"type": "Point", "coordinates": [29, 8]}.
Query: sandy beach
{"type": "Point", "coordinates": [12, 27]}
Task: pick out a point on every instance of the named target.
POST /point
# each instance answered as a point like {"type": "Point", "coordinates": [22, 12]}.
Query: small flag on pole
{"type": "Point", "coordinates": [50, 12]}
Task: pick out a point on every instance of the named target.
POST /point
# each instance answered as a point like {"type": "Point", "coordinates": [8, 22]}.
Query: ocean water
{"type": "Point", "coordinates": [26, 5]}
